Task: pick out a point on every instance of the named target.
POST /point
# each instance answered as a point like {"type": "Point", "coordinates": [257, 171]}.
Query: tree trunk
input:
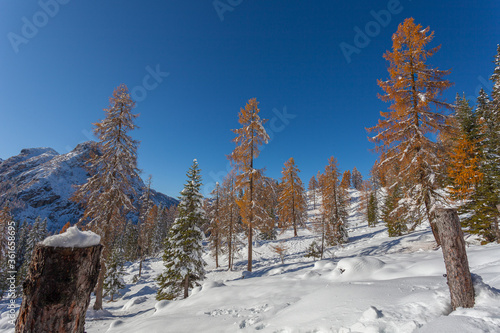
{"type": "Point", "coordinates": [497, 230]}
{"type": "Point", "coordinates": [186, 286]}
{"type": "Point", "coordinates": [56, 293]}
{"type": "Point", "coordinates": [455, 258]}
{"type": "Point", "coordinates": [99, 287]}
{"type": "Point", "coordinates": [250, 240]}
{"type": "Point", "coordinates": [432, 221]}
{"type": "Point", "coordinates": [217, 250]}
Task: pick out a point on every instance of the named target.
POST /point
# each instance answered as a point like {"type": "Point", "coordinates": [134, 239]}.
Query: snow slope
{"type": "Point", "coordinates": [372, 284]}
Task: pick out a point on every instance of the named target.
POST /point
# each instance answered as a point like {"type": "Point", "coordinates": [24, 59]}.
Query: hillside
{"type": "Point", "coordinates": [40, 182]}
{"type": "Point", "coordinates": [372, 284]}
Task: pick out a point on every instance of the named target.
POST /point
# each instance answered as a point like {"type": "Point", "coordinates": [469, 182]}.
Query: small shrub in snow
{"type": "Point", "coordinates": [313, 251]}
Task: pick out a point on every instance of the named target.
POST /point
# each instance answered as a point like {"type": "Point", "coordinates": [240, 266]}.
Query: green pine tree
{"type": "Point", "coordinates": [182, 258]}
{"type": "Point", "coordinates": [482, 208]}
{"type": "Point", "coordinates": [313, 251]}
{"type": "Point", "coordinates": [372, 209]}
{"type": "Point", "coordinates": [392, 216]}
{"type": "Point", "coordinates": [113, 280]}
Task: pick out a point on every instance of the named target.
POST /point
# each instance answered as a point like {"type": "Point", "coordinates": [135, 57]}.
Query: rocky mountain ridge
{"type": "Point", "coordinates": [40, 182]}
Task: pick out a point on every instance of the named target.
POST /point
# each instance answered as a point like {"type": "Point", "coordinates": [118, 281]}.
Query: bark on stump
{"type": "Point", "coordinates": [56, 293]}
{"type": "Point", "coordinates": [455, 258]}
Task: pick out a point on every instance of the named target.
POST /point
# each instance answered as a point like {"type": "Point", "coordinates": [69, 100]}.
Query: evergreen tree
{"type": "Point", "coordinates": [372, 209]}
{"type": "Point", "coordinates": [113, 280]}
{"type": "Point", "coordinates": [147, 219]}
{"type": "Point", "coordinates": [403, 135]}
{"type": "Point", "coordinates": [248, 140]}
{"type": "Point", "coordinates": [106, 196]}
{"type": "Point", "coordinates": [292, 206]}
{"type": "Point", "coordinates": [184, 265]}
{"type": "Point", "coordinates": [482, 208]}
{"type": "Point", "coordinates": [313, 251]}
{"type": "Point", "coordinates": [464, 153]}
{"type": "Point", "coordinates": [214, 220]}
{"type": "Point", "coordinates": [130, 242]}
{"type": "Point", "coordinates": [32, 236]}
{"type": "Point", "coordinates": [396, 225]}
{"type": "Point", "coordinates": [22, 235]}
{"type": "Point", "coordinates": [160, 230]}
{"type": "Point", "coordinates": [333, 205]}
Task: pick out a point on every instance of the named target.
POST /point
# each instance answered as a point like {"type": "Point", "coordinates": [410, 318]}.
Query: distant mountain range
{"type": "Point", "coordinates": [40, 182]}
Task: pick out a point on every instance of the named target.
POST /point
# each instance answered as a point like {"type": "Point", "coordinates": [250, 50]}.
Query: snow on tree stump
{"type": "Point", "coordinates": [455, 258]}
{"type": "Point", "coordinates": [62, 274]}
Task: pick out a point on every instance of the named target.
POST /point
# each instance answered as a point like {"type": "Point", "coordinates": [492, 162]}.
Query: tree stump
{"type": "Point", "coordinates": [56, 293]}
{"type": "Point", "coordinates": [455, 258]}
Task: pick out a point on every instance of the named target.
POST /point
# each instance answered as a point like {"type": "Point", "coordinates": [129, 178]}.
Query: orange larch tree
{"type": "Point", "coordinates": [333, 205]}
{"type": "Point", "coordinates": [292, 204]}
{"type": "Point", "coordinates": [403, 135]}
{"type": "Point", "coordinates": [346, 180]}
{"type": "Point", "coordinates": [248, 140]}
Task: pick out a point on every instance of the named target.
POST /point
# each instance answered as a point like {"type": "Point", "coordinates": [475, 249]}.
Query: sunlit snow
{"type": "Point", "coordinates": [372, 284]}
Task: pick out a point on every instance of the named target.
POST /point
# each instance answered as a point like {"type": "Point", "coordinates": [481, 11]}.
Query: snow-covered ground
{"type": "Point", "coordinates": [372, 284]}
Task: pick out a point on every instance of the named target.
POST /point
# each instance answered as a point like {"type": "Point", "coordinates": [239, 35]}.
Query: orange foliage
{"type": "Point", "coordinates": [65, 227]}
{"type": "Point", "coordinates": [248, 140]}
{"type": "Point", "coordinates": [464, 168]}
{"type": "Point", "coordinates": [292, 203]}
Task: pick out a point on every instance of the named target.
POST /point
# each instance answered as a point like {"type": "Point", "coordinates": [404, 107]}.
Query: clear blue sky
{"type": "Point", "coordinates": [285, 53]}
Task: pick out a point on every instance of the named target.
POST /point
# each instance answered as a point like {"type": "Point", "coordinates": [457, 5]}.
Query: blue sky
{"type": "Point", "coordinates": [60, 61]}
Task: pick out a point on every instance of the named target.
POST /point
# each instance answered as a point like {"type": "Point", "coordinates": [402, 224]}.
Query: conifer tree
{"type": "Point", "coordinates": [106, 196]}
{"type": "Point", "coordinates": [346, 180]}
{"type": "Point", "coordinates": [147, 218]}
{"type": "Point", "coordinates": [182, 258]}
{"type": "Point", "coordinates": [160, 229]}
{"type": "Point", "coordinates": [356, 179]}
{"type": "Point", "coordinates": [248, 139]}
{"type": "Point", "coordinates": [32, 236]}
{"type": "Point", "coordinates": [312, 188]}
{"type": "Point", "coordinates": [464, 155]}
{"type": "Point", "coordinates": [482, 208]}
{"type": "Point", "coordinates": [403, 139]}
{"type": "Point", "coordinates": [229, 216]}
{"type": "Point", "coordinates": [333, 205]}
{"type": "Point", "coordinates": [372, 209]}
{"type": "Point", "coordinates": [313, 251]}
{"type": "Point", "coordinates": [214, 222]}
{"type": "Point", "coordinates": [113, 280]}
{"type": "Point", "coordinates": [267, 194]}
{"type": "Point", "coordinates": [130, 242]}
{"type": "Point", "coordinates": [292, 204]}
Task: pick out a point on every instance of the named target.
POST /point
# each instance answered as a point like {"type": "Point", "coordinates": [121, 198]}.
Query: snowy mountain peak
{"type": "Point", "coordinates": [33, 152]}
{"type": "Point", "coordinates": [40, 182]}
